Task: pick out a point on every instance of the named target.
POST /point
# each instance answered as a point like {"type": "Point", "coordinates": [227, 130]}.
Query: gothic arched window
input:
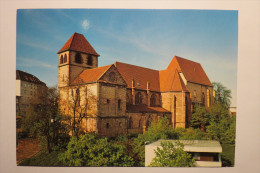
{"type": "Point", "coordinates": [65, 58]}
{"type": "Point", "coordinates": [61, 59]}
{"type": "Point", "coordinates": [89, 62]}
{"type": "Point", "coordinates": [78, 58]}
{"type": "Point", "coordinates": [138, 98]}
{"type": "Point", "coordinates": [153, 100]}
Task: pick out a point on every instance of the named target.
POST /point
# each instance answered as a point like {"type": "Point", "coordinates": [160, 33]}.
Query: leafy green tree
{"type": "Point", "coordinates": [191, 134]}
{"type": "Point", "coordinates": [160, 129]}
{"type": "Point", "coordinates": [172, 155]}
{"type": "Point", "coordinates": [221, 125]}
{"type": "Point", "coordinates": [43, 120]}
{"type": "Point", "coordinates": [90, 151]}
{"type": "Point", "coordinates": [223, 95]}
{"type": "Point", "coordinates": [200, 117]}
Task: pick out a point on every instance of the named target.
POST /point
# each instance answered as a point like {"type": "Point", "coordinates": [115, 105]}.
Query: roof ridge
{"type": "Point", "coordinates": [178, 57]}
{"type": "Point", "coordinates": [108, 67]}
{"type": "Point", "coordinates": [135, 66]}
{"type": "Point", "coordinates": [73, 36]}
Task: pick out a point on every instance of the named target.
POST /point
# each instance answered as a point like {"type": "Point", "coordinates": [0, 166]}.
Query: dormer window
{"type": "Point", "coordinates": [78, 58]}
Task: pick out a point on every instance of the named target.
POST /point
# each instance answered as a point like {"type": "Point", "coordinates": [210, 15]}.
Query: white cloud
{"type": "Point", "coordinates": [85, 24]}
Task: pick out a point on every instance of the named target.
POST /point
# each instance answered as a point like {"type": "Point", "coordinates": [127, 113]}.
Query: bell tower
{"type": "Point", "coordinates": [75, 56]}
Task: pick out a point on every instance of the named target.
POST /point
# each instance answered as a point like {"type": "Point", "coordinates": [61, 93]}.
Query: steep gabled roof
{"type": "Point", "coordinates": [91, 75]}
{"type": "Point", "coordinates": [170, 80]}
{"type": "Point", "coordinates": [192, 71]}
{"type": "Point", "coordinates": [140, 75]}
{"type": "Point", "coordinates": [78, 42]}
{"type": "Point", "coordinates": [23, 76]}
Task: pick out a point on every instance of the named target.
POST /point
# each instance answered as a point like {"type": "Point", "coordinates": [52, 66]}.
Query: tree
{"type": "Point", "coordinates": [200, 117]}
{"type": "Point", "coordinates": [172, 155]}
{"type": "Point", "coordinates": [81, 105]}
{"type": "Point", "coordinates": [223, 95]}
{"type": "Point", "coordinates": [159, 129]}
{"type": "Point", "coordinates": [221, 124]}
{"type": "Point", "coordinates": [91, 151]}
{"type": "Point", "coordinates": [43, 120]}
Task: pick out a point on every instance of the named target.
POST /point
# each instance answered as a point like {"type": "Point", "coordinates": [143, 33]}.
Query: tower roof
{"type": "Point", "coordinates": [78, 42]}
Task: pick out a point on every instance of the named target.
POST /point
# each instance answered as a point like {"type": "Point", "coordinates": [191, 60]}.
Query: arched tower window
{"type": "Point", "coordinates": [90, 61]}
{"type": "Point", "coordinates": [61, 59]}
{"type": "Point", "coordinates": [78, 58]}
{"type": "Point", "coordinates": [153, 100]}
{"type": "Point", "coordinates": [138, 98]}
{"type": "Point", "coordinates": [65, 58]}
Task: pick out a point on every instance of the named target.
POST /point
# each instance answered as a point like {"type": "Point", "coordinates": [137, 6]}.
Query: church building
{"type": "Point", "coordinates": [122, 98]}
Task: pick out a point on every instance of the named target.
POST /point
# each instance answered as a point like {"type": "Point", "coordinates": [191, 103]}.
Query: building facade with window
{"type": "Point", "coordinates": [122, 98]}
{"type": "Point", "coordinates": [28, 87]}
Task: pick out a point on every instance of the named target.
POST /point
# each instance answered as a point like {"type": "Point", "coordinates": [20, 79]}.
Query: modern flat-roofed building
{"type": "Point", "coordinates": [205, 152]}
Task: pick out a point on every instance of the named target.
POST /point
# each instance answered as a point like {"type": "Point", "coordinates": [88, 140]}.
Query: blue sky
{"type": "Point", "coordinates": [148, 38]}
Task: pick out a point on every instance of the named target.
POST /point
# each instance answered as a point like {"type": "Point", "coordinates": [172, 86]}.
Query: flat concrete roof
{"type": "Point", "coordinates": [194, 145]}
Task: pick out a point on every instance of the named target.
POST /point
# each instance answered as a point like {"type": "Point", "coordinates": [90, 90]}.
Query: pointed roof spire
{"type": "Point", "coordinates": [79, 43]}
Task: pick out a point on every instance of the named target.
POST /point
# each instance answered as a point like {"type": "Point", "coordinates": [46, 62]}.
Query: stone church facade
{"type": "Point", "coordinates": [121, 98]}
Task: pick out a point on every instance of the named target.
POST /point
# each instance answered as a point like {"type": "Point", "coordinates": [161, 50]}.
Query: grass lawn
{"type": "Point", "coordinates": [43, 159]}
{"type": "Point", "coordinates": [228, 155]}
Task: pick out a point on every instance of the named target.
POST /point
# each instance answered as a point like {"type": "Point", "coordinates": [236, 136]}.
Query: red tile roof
{"type": "Point", "coordinates": [146, 109]}
{"type": "Point", "coordinates": [78, 42]}
{"type": "Point", "coordinates": [171, 81]}
{"type": "Point", "coordinates": [91, 75]}
{"type": "Point", "coordinates": [140, 75]}
{"type": "Point", "coordinates": [160, 81]}
{"type": "Point", "coordinates": [192, 71]}
{"type": "Point", "coordinates": [23, 76]}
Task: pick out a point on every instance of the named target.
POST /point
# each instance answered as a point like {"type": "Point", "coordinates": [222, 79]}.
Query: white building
{"type": "Point", "coordinates": [206, 153]}
{"type": "Point", "coordinates": [27, 87]}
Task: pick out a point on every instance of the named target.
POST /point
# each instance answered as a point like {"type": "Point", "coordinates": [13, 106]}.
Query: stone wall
{"type": "Point", "coordinates": [197, 91]}
{"type": "Point", "coordinates": [175, 103]}
{"type": "Point", "coordinates": [112, 126]}
{"type": "Point", "coordinates": [139, 122]}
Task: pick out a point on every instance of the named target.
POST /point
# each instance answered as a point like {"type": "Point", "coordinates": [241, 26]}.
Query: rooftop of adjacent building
{"type": "Point", "coordinates": [193, 145]}
{"type": "Point", "coordinates": [24, 76]}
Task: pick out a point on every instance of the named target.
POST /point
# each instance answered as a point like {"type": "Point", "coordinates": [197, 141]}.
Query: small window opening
{"type": "Point", "coordinates": [89, 62]}
{"type": "Point", "coordinates": [61, 59]}
{"type": "Point", "coordinates": [65, 58]}
{"type": "Point", "coordinates": [119, 104]}
{"type": "Point", "coordinates": [78, 58]}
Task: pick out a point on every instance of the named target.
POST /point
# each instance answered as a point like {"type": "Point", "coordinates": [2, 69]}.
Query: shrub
{"type": "Point", "coordinates": [90, 151]}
